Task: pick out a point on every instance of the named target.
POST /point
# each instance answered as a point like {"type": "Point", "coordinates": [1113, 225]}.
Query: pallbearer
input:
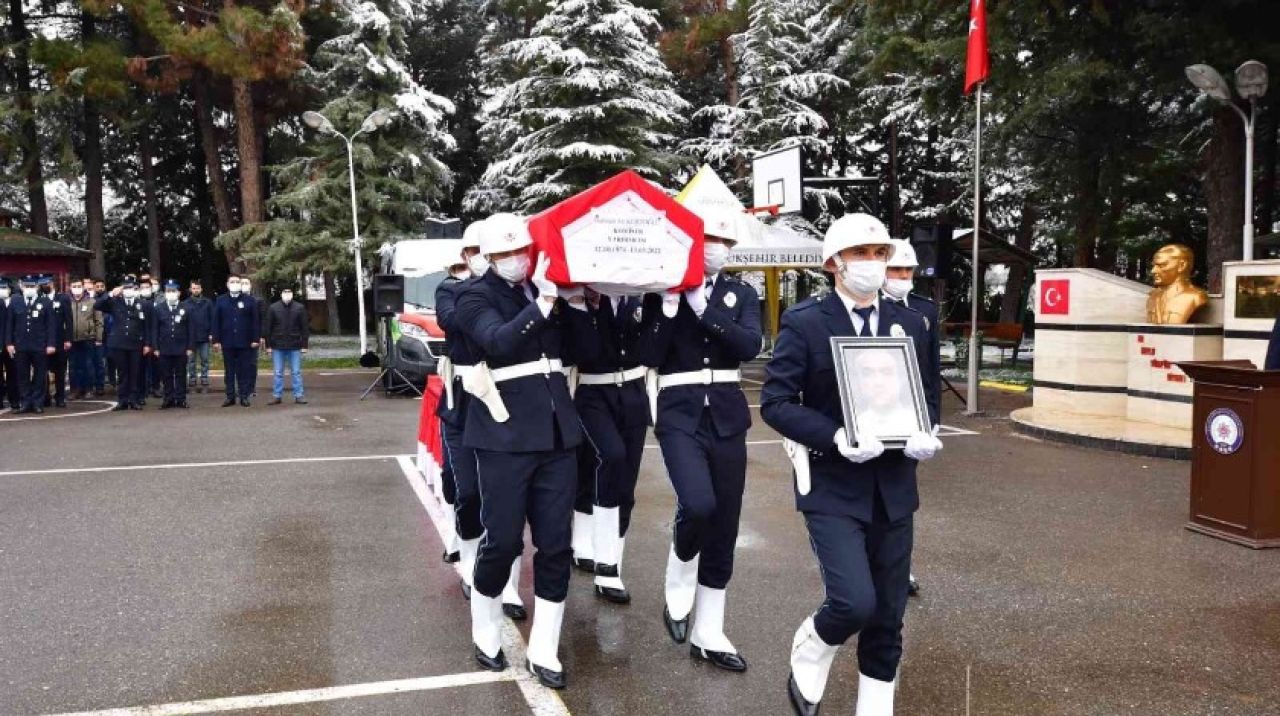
{"type": "Point", "coordinates": [524, 428]}
{"type": "Point", "coordinates": [697, 340]}
{"type": "Point", "coordinates": [859, 498]}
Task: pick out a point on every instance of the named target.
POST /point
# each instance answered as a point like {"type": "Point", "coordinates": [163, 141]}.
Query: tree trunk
{"type": "Point", "coordinates": [331, 303]}
{"type": "Point", "coordinates": [92, 158]}
{"type": "Point", "coordinates": [1224, 194]}
{"type": "Point", "coordinates": [895, 205]}
{"type": "Point", "coordinates": [1087, 211]}
{"type": "Point", "coordinates": [1011, 304]}
{"type": "Point", "coordinates": [149, 200]}
{"type": "Point", "coordinates": [29, 139]}
{"type": "Point", "coordinates": [212, 157]}
{"type": "Point", "coordinates": [247, 148]}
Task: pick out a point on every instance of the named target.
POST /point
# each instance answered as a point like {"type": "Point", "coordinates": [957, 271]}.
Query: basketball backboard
{"type": "Point", "coordinates": [775, 180]}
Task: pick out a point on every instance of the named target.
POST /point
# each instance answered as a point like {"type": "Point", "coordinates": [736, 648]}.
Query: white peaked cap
{"type": "Point", "coordinates": [728, 224]}
{"type": "Point", "coordinates": [904, 255]}
{"type": "Point", "coordinates": [504, 232]}
{"type": "Point", "coordinates": [471, 236]}
{"type": "Point", "coordinates": [855, 230]}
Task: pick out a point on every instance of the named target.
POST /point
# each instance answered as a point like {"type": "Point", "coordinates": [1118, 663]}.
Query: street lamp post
{"type": "Point", "coordinates": [378, 118]}
{"type": "Point", "coordinates": [1251, 84]}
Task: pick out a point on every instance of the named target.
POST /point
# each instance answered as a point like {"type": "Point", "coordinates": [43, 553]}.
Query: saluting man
{"type": "Point", "coordinates": [697, 340]}
{"type": "Point", "coordinates": [859, 497]}
{"type": "Point", "coordinates": [173, 339]}
{"type": "Point", "coordinates": [130, 339]}
{"type": "Point", "coordinates": [236, 331]}
{"type": "Point", "coordinates": [524, 429]}
{"type": "Point", "coordinates": [898, 282]}
{"type": "Point", "coordinates": [32, 333]}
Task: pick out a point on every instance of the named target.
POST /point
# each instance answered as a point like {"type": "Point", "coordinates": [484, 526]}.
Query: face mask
{"type": "Point", "coordinates": [514, 269]}
{"type": "Point", "coordinates": [714, 257]}
{"type": "Point", "coordinates": [244, 287]}
{"type": "Point", "coordinates": [4, 293]}
{"type": "Point", "coordinates": [29, 292]}
{"type": "Point", "coordinates": [171, 297]}
{"type": "Point", "coordinates": [47, 289]}
{"type": "Point", "coordinates": [147, 292]}
{"type": "Point", "coordinates": [131, 293]}
{"type": "Point", "coordinates": [898, 287]}
{"type": "Point", "coordinates": [233, 287]}
{"type": "Point", "coordinates": [77, 292]}
{"type": "Point", "coordinates": [478, 264]}
{"type": "Point", "coordinates": [862, 278]}
{"type": "Point", "coordinates": [286, 296]}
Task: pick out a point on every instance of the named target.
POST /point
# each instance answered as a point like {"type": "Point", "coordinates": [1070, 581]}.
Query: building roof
{"type": "Point", "coordinates": [991, 249]}
{"type": "Point", "coordinates": [20, 243]}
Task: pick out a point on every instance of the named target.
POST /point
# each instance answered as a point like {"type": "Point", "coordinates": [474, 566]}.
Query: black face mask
{"type": "Point", "coordinates": [47, 289]}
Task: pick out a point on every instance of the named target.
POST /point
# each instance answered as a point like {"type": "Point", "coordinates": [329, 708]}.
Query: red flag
{"type": "Point", "coordinates": [976, 66]}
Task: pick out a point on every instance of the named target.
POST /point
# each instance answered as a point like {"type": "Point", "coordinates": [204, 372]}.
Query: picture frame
{"type": "Point", "coordinates": [881, 391]}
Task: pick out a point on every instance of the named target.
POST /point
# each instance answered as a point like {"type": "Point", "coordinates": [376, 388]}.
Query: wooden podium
{"type": "Point", "coordinates": [1235, 462]}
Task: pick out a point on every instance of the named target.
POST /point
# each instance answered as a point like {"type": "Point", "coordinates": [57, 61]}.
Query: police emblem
{"type": "Point", "coordinates": [638, 314]}
{"type": "Point", "coordinates": [730, 299]}
{"type": "Point", "coordinates": [896, 331]}
{"type": "Point", "coordinates": [1224, 430]}
{"type": "Point", "coordinates": [926, 323]}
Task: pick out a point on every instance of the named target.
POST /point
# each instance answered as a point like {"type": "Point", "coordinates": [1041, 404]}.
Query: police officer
{"type": "Point", "coordinates": [150, 384]}
{"type": "Point", "coordinates": [62, 319]}
{"type": "Point", "coordinates": [236, 331]}
{"type": "Point", "coordinates": [173, 340]}
{"type": "Point", "coordinates": [524, 429]}
{"type": "Point", "coordinates": [130, 339]}
{"type": "Point", "coordinates": [614, 406]}
{"type": "Point", "coordinates": [31, 336]}
{"type": "Point", "coordinates": [898, 282]}
{"type": "Point", "coordinates": [857, 498]}
{"type": "Point", "coordinates": [8, 374]}
{"type": "Point", "coordinates": [697, 341]}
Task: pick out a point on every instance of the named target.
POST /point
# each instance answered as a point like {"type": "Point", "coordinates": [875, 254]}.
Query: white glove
{"type": "Point", "coordinates": [867, 449]}
{"type": "Point", "coordinates": [575, 297]}
{"type": "Point", "coordinates": [697, 299]}
{"type": "Point", "coordinates": [922, 446]}
{"type": "Point", "coordinates": [670, 304]}
{"type": "Point", "coordinates": [546, 289]}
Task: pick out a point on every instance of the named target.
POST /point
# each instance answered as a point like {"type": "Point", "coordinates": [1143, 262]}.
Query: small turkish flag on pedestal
{"type": "Point", "coordinates": [1055, 297]}
{"type": "Point", "coordinates": [622, 236]}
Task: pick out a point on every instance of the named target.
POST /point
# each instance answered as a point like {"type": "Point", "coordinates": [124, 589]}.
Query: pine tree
{"type": "Point", "coordinates": [591, 98]}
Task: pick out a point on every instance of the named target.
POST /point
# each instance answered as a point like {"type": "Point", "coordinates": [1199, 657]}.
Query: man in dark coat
{"type": "Point", "coordinates": [287, 332]}
{"type": "Point", "coordinates": [31, 339]}
{"type": "Point", "coordinates": [236, 332]}
{"type": "Point", "coordinates": [130, 339]}
{"type": "Point", "coordinates": [172, 338]}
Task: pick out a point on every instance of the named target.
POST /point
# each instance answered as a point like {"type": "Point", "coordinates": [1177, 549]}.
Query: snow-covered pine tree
{"type": "Point", "coordinates": [590, 97]}
{"type": "Point", "coordinates": [399, 176]}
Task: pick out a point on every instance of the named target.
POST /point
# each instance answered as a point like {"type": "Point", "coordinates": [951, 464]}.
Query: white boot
{"type": "Point", "coordinates": [544, 637]}
{"type": "Point", "coordinates": [682, 583]}
{"type": "Point", "coordinates": [486, 623]}
{"type": "Point", "coordinates": [467, 551]}
{"type": "Point", "coordinates": [511, 592]}
{"type": "Point", "coordinates": [582, 535]}
{"type": "Point", "coordinates": [608, 547]}
{"type": "Point", "coordinates": [708, 621]}
{"type": "Point", "coordinates": [811, 659]}
{"type": "Point", "coordinates": [875, 697]}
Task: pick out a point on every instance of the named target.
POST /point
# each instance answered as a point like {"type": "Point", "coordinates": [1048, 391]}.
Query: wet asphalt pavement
{"type": "Point", "coordinates": [1060, 577]}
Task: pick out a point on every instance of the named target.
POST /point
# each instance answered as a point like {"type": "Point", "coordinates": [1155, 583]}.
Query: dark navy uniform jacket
{"type": "Point", "coordinates": [727, 334]}
{"type": "Point", "coordinates": [236, 321]}
{"type": "Point", "coordinates": [612, 345]}
{"type": "Point", "coordinates": [200, 314]}
{"type": "Point", "coordinates": [63, 318]}
{"type": "Point", "coordinates": [460, 349]}
{"type": "Point", "coordinates": [930, 373]}
{"type": "Point", "coordinates": [171, 331]}
{"type": "Point", "coordinates": [801, 400]}
{"type": "Point", "coordinates": [508, 329]}
{"type": "Point", "coordinates": [32, 330]}
{"type": "Point", "coordinates": [131, 327]}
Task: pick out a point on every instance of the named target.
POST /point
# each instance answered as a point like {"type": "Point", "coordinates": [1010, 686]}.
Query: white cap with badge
{"type": "Point", "coordinates": [855, 230]}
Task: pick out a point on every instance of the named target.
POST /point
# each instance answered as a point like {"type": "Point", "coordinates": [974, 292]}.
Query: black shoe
{"type": "Point", "coordinates": [585, 565]}
{"type": "Point", "coordinates": [546, 677]}
{"type": "Point", "coordinates": [228, 402]}
{"type": "Point", "coordinates": [136, 406]}
{"type": "Point", "coordinates": [181, 404]}
{"type": "Point", "coordinates": [155, 393]}
{"type": "Point", "coordinates": [99, 392]}
{"type": "Point", "coordinates": [166, 405]}
{"type": "Point", "coordinates": [300, 401]}
{"type": "Point", "coordinates": [121, 406]}
{"type": "Point", "coordinates": [36, 409]}
{"type": "Point", "coordinates": [678, 629]}
{"type": "Point", "coordinates": [913, 588]}
{"type": "Point", "coordinates": [451, 557]}
{"type": "Point", "coordinates": [798, 704]}
{"type": "Point", "coordinates": [466, 591]}
{"type": "Point", "coordinates": [492, 663]}
{"type": "Point", "coordinates": [60, 403]}
{"type": "Point", "coordinates": [140, 403]}
{"type": "Point", "coordinates": [244, 402]}
{"type": "Point", "coordinates": [724, 659]}
{"type": "Point", "coordinates": [613, 594]}
{"type": "Point", "coordinates": [515, 612]}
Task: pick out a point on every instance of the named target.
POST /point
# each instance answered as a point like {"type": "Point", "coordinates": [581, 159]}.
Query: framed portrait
{"type": "Point", "coordinates": [880, 388]}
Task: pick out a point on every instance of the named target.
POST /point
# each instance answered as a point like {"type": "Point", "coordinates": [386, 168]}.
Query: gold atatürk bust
{"type": "Point", "coordinates": [1174, 299]}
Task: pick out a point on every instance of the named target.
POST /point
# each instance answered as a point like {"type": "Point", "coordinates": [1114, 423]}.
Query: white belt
{"type": "Point", "coordinates": [618, 377]}
{"type": "Point", "coordinates": [542, 366]}
{"type": "Point", "coordinates": [706, 376]}
{"type": "Point", "coordinates": [462, 371]}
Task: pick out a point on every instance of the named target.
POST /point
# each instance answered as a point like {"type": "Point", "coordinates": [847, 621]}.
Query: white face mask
{"type": "Point", "coordinates": [513, 268]}
{"type": "Point", "coordinates": [29, 292]}
{"type": "Point", "coordinates": [862, 278]}
{"type": "Point", "coordinates": [171, 297]}
{"type": "Point", "coordinates": [714, 256]}
{"type": "Point", "coordinates": [148, 292]}
{"type": "Point", "coordinates": [77, 292]}
{"type": "Point", "coordinates": [131, 293]}
{"type": "Point", "coordinates": [898, 287]}
{"type": "Point", "coordinates": [4, 293]}
{"type": "Point", "coordinates": [244, 287]}
{"type": "Point", "coordinates": [286, 296]}
{"type": "Point", "coordinates": [233, 287]}
{"type": "Point", "coordinates": [478, 264]}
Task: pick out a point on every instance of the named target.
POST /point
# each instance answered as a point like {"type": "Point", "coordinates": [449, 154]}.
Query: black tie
{"type": "Point", "coordinates": [865, 314]}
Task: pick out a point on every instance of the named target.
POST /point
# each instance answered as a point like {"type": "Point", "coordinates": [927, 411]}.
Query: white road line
{"type": "Point", "coordinates": [307, 696]}
{"type": "Point", "coordinates": [542, 701]}
{"type": "Point", "coordinates": [107, 403]}
{"type": "Point", "coordinates": [186, 465]}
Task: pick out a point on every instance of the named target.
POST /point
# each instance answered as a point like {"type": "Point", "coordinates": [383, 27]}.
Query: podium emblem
{"type": "Point", "coordinates": [1224, 430]}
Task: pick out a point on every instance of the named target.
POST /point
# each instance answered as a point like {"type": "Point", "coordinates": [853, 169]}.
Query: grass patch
{"type": "Point", "coordinates": [264, 362]}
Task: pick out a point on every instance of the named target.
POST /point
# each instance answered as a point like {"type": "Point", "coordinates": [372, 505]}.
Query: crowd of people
{"type": "Point", "coordinates": [549, 393]}
{"type": "Point", "coordinates": [144, 339]}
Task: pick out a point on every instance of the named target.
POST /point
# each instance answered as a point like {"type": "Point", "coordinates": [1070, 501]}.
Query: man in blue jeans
{"type": "Point", "coordinates": [200, 314]}
{"type": "Point", "coordinates": [286, 331]}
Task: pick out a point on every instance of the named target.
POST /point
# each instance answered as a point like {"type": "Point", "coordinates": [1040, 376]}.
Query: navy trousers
{"type": "Point", "coordinates": [58, 367]}
{"type": "Point", "coordinates": [613, 453]}
{"type": "Point", "coordinates": [585, 498]}
{"type": "Point", "coordinates": [33, 371]}
{"type": "Point", "coordinates": [461, 485]}
{"type": "Point", "coordinates": [173, 378]}
{"type": "Point", "coordinates": [9, 381]}
{"type": "Point", "coordinates": [709, 475]}
{"type": "Point", "coordinates": [865, 569]}
{"type": "Point", "coordinates": [240, 370]}
{"type": "Point", "coordinates": [129, 380]}
{"type": "Point", "coordinates": [537, 487]}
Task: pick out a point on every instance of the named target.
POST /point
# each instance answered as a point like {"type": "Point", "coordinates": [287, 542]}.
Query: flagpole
{"type": "Point", "coordinates": [975, 358]}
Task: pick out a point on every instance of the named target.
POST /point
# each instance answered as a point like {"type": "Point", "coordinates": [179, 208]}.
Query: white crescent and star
{"type": "Point", "coordinates": [1051, 297]}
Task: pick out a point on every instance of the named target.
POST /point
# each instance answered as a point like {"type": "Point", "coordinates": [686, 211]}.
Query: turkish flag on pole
{"type": "Point", "coordinates": [976, 66]}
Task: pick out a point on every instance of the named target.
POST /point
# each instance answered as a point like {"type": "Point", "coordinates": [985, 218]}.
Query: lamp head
{"type": "Point", "coordinates": [1251, 80]}
{"type": "Point", "coordinates": [1207, 80]}
{"type": "Point", "coordinates": [315, 120]}
{"type": "Point", "coordinates": [380, 118]}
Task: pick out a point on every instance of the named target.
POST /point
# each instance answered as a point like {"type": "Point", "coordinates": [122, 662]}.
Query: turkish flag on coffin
{"type": "Point", "coordinates": [622, 236]}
